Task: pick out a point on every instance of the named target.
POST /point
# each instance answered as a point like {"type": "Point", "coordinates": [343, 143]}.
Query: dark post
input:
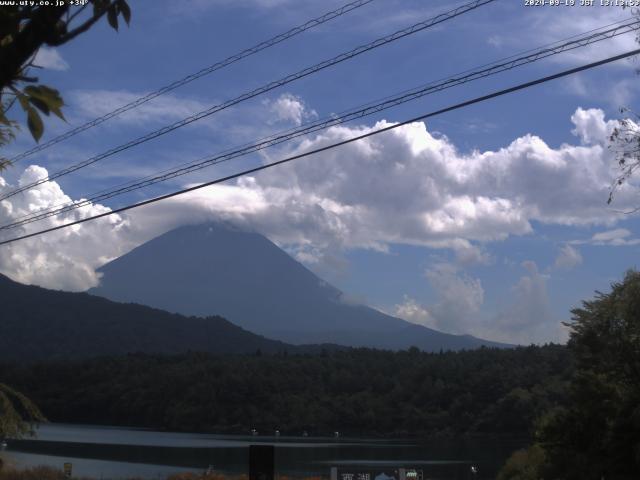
{"type": "Point", "coordinates": [261, 462]}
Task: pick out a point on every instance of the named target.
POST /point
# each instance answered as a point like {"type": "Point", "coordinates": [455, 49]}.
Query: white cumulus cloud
{"type": "Point", "coordinates": [568, 258]}
{"type": "Point", "coordinates": [460, 298]}
{"type": "Point", "coordinates": [412, 311]}
{"type": "Point", "coordinates": [409, 186]}
{"type": "Point", "coordinates": [528, 317]}
{"type": "Point", "coordinates": [66, 259]}
{"type": "Point", "coordinates": [591, 126]}
{"type": "Point", "coordinates": [50, 58]}
{"type": "Point", "coordinates": [290, 108]}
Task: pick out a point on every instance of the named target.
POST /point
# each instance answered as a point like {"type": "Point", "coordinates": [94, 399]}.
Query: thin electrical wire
{"type": "Point", "coordinates": [194, 76]}
{"type": "Point", "coordinates": [415, 28]}
{"type": "Point", "coordinates": [467, 103]}
{"type": "Point", "coordinates": [310, 127]}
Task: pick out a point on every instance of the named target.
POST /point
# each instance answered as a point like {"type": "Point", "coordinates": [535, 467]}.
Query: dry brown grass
{"type": "Point", "coordinates": [35, 473]}
{"type": "Point", "coordinates": [48, 473]}
{"type": "Point", "coordinates": [38, 473]}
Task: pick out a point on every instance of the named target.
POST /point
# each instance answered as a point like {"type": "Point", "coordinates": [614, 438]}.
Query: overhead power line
{"type": "Point", "coordinates": [458, 106]}
{"type": "Point", "coordinates": [194, 76]}
{"type": "Point", "coordinates": [499, 66]}
{"type": "Point", "coordinates": [415, 28]}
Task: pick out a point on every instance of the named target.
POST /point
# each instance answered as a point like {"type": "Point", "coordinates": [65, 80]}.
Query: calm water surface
{"type": "Point", "coordinates": [113, 452]}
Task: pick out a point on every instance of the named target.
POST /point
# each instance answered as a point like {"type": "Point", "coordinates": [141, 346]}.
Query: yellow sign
{"type": "Point", "coordinates": [67, 469]}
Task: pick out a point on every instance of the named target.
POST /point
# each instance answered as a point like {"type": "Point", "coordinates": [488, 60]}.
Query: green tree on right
{"type": "Point", "coordinates": [596, 435]}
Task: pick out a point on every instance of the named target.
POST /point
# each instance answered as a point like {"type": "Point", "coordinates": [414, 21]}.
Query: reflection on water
{"type": "Point", "coordinates": [106, 452]}
{"type": "Point", "coordinates": [137, 436]}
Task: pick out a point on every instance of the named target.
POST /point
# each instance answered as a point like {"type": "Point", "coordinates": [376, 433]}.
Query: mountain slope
{"type": "Point", "coordinates": [40, 324]}
{"type": "Point", "coordinates": [215, 269]}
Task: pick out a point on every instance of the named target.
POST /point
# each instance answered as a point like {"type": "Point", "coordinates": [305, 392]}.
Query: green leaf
{"type": "Point", "coordinates": [125, 10]}
{"type": "Point", "coordinates": [99, 7]}
{"type": "Point", "coordinates": [40, 105]}
{"type": "Point", "coordinates": [112, 16]}
{"type": "Point", "coordinates": [24, 101]}
{"type": "Point", "coordinates": [34, 121]}
{"type": "Point", "coordinates": [36, 127]}
{"type": "Point", "coordinates": [50, 96]}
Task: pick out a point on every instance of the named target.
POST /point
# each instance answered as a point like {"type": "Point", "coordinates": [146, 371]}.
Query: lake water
{"type": "Point", "coordinates": [113, 452]}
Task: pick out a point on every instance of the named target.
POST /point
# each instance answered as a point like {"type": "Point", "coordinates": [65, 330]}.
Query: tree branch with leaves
{"type": "Point", "coordinates": [18, 414]}
{"type": "Point", "coordinates": [625, 143]}
{"type": "Point", "coordinates": [24, 29]}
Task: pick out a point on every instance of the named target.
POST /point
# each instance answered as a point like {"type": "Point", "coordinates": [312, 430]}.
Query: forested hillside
{"type": "Point", "coordinates": [359, 392]}
{"type": "Point", "coordinates": [41, 324]}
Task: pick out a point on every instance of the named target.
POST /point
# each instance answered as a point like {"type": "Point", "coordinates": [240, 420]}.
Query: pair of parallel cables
{"type": "Point", "coordinates": [379, 42]}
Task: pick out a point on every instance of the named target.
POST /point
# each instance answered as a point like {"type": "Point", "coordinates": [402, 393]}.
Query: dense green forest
{"type": "Point", "coordinates": [360, 391]}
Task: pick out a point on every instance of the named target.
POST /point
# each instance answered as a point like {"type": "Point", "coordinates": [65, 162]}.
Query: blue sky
{"type": "Point", "coordinates": [490, 220]}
